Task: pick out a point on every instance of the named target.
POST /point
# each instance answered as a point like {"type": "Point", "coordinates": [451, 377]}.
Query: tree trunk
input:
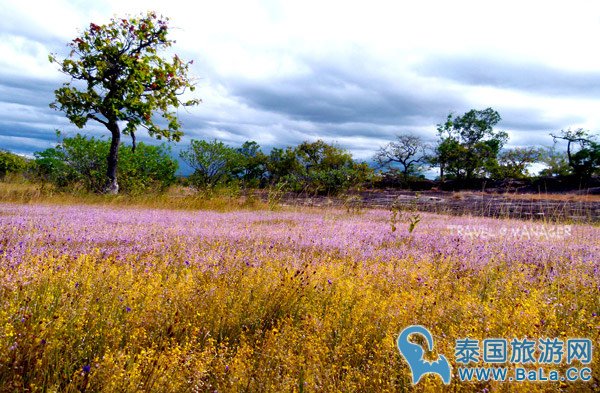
{"type": "Point", "coordinates": [112, 187]}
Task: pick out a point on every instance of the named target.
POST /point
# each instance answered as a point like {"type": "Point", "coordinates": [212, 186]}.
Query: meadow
{"type": "Point", "coordinates": [122, 298]}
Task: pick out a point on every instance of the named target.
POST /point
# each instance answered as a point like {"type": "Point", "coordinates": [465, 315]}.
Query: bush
{"type": "Point", "coordinates": [11, 163]}
{"type": "Point", "coordinates": [80, 163]}
{"type": "Point", "coordinates": [148, 168]}
{"type": "Point", "coordinates": [317, 168]}
{"type": "Point", "coordinates": [212, 161]}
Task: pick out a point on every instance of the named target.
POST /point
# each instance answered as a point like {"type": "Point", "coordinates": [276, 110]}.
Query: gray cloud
{"type": "Point", "coordinates": [12, 129]}
{"type": "Point", "coordinates": [27, 91]}
{"type": "Point", "coordinates": [535, 120]}
{"type": "Point", "coordinates": [506, 73]}
{"type": "Point", "coordinates": [332, 94]}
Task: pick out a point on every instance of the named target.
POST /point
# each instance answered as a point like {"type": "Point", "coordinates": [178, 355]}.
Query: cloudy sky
{"type": "Point", "coordinates": [353, 73]}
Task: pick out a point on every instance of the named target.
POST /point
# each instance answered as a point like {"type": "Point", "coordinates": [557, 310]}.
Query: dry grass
{"type": "Point", "coordinates": [177, 198]}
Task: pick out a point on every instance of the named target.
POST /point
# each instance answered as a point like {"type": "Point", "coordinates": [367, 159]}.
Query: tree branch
{"type": "Point", "coordinates": [94, 117]}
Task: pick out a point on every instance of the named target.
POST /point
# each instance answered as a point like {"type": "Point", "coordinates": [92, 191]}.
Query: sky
{"type": "Point", "coordinates": [351, 73]}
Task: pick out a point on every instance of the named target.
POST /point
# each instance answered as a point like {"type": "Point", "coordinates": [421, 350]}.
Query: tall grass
{"type": "Point", "coordinates": [178, 198]}
{"type": "Point", "coordinates": [262, 301]}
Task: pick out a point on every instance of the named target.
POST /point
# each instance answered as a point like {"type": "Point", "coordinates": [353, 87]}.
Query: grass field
{"type": "Point", "coordinates": [111, 297]}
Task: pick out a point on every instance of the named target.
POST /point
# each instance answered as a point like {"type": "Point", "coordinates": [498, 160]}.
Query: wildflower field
{"type": "Point", "coordinates": [127, 299]}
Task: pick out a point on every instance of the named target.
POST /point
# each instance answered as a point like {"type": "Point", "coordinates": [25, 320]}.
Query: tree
{"type": "Point", "coordinates": [513, 163]}
{"type": "Point", "coordinates": [318, 167]}
{"type": "Point", "coordinates": [468, 145]}
{"type": "Point", "coordinates": [556, 162]}
{"type": "Point", "coordinates": [407, 150]}
{"type": "Point", "coordinates": [282, 164]}
{"type": "Point", "coordinates": [251, 164]}
{"type": "Point", "coordinates": [118, 76]}
{"type": "Point", "coordinates": [212, 162]}
{"type": "Point", "coordinates": [583, 152]}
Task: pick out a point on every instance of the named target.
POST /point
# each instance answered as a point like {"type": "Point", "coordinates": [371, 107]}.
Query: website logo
{"type": "Point", "coordinates": [413, 353]}
{"type": "Point", "coordinates": [504, 360]}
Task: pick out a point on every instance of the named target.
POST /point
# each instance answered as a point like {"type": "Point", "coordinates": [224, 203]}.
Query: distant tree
{"type": "Point", "coordinates": [282, 164]}
{"type": "Point", "coordinates": [447, 155]}
{"type": "Point", "coordinates": [212, 161]}
{"type": "Point", "coordinates": [11, 163]}
{"type": "Point", "coordinates": [468, 145]}
{"type": "Point", "coordinates": [583, 151]}
{"type": "Point", "coordinates": [513, 163]}
{"type": "Point", "coordinates": [557, 163]}
{"type": "Point", "coordinates": [322, 168]}
{"type": "Point", "coordinates": [117, 76]}
{"type": "Point", "coordinates": [251, 164]}
{"type": "Point", "coordinates": [408, 151]}
{"type": "Point", "coordinates": [320, 155]}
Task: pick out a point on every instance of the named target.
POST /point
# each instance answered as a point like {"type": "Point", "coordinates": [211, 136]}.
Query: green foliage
{"type": "Point", "coordinates": [317, 167]}
{"type": "Point", "coordinates": [213, 162]}
{"type": "Point", "coordinates": [311, 167]}
{"type": "Point", "coordinates": [283, 165]}
{"type": "Point", "coordinates": [76, 162]}
{"type": "Point", "coordinates": [250, 165]}
{"type": "Point", "coordinates": [11, 163]}
{"type": "Point", "coordinates": [583, 152]}
{"type": "Point", "coordinates": [125, 79]}
{"type": "Point", "coordinates": [469, 146]}
{"type": "Point", "coordinates": [149, 168]}
{"type": "Point", "coordinates": [80, 163]}
{"type": "Point", "coordinates": [513, 163]}
{"type": "Point", "coordinates": [117, 76]}
{"type": "Point", "coordinates": [556, 162]}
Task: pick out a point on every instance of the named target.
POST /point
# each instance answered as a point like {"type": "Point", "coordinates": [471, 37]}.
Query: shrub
{"type": "Point", "coordinates": [317, 167]}
{"type": "Point", "coordinates": [80, 163]}
{"type": "Point", "coordinates": [212, 162]}
{"type": "Point", "coordinates": [11, 163]}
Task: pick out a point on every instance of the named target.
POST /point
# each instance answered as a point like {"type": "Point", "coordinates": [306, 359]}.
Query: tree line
{"type": "Point", "coordinates": [79, 163]}
{"type": "Point", "coordinates": [118, 79]}
{"type": "Point", "coordinates": [468, 148]}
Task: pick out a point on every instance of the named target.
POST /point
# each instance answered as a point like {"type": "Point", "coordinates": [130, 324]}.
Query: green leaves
{"type": "Point", "coordinates": [80, 162]}
{"type": "Point", "coordinates": [211, 161]}
{"type": "Point", "coordinates": [317, 167]}
{"type": "Point", "coordinates": [583, 151]}
{"type": "Point", "coordinates": [468, 143]}
{"type": "Point", "coordinates": [11, 163]}
{"type": "Point", "coordinates": [117, 75]}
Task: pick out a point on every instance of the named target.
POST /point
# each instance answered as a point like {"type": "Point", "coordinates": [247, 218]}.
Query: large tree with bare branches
{"type": "Point", "coordinates": [583, 151]}
{"type": "Point", "coordinates": [408, 151]}
{"type": "Point", "coordinates": [119, 80]}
